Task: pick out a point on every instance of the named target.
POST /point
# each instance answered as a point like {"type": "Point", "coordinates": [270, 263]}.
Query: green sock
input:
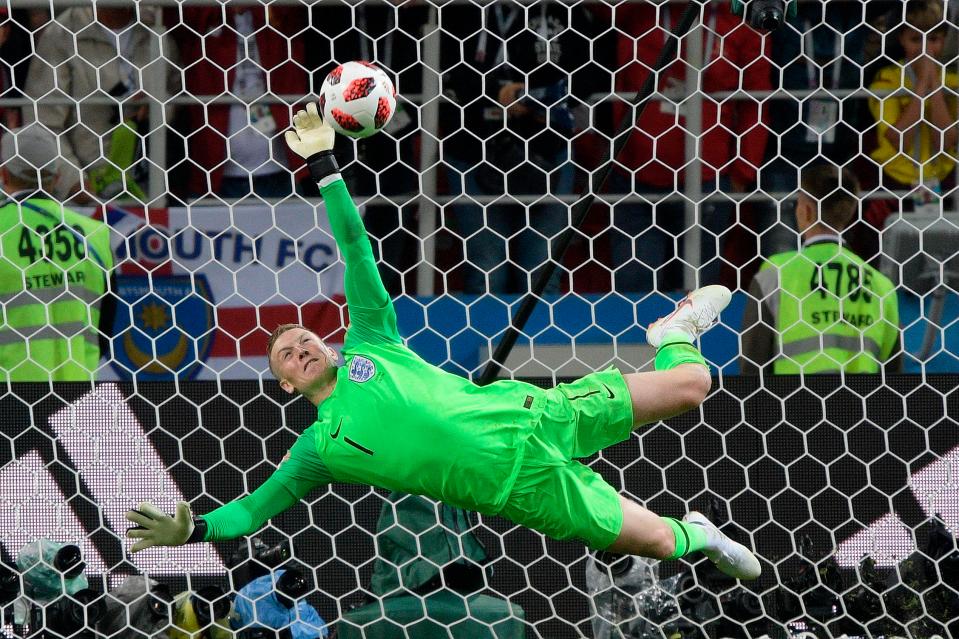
{"type": "Point", "coordinates": [689, 537]}
{"type": "Point", "coordinates": [677, 348]}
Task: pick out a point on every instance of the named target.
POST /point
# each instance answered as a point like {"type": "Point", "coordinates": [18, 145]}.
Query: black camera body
{"type": "Point", "coordinates": [765, 15]}
{"type": "Point", "coordinates": [68, 616]}
{"type": "Point", "coordinates": [251, 562]}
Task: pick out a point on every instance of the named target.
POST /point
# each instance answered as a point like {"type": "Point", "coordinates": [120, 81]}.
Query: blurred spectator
{"type": "Point", "coordinates": [820, 49]}
{"type": "Point", "coordinates": [36, 19]}
{"type": "Point", "coordinates": [55, 296]}
{"type": "Point", "coordinates": [916, 123]}
{"type": "Point", "coordinates": [88, 55]}
{"type": "Point", "coordinates": [731, 143]}
{"type": "Point", "coordinates": [17, 37]}
{"type": "Point", "coordinates": [429, 575]}
{"type": "Point", "coordinates": [9, 58]}
{"type": "Point", "coordinates": [252, 54]}
{"type": "Point", "coordinates": [274, 605]}
{"type": "Point", "coordinates": [822, 308]}
{"type": "Point", "coordinates": [386, 164]}
{"type": "Point", "coordinates": [16, 52]}
{"type": "Point", "coordinates": [513, 118]}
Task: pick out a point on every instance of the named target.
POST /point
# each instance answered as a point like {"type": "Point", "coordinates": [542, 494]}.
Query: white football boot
{"type": "Point", "coordinates": [695, 314]}
{"type": "Point", "coordinates": [731, 557]}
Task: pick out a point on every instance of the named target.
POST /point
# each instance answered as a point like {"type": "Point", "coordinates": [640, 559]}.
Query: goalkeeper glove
{"type": "Point", "coordinates": [312, 139]}
{"type": "Point", "coordinates": [156, 528]}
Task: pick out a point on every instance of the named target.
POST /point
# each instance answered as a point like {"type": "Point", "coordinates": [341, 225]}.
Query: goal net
{"type": "Point", "coordinates": [507, 144]}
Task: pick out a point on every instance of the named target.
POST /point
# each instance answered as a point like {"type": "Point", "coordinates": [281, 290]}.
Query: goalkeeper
{"type": "Point", "coordinates": [388, 418]}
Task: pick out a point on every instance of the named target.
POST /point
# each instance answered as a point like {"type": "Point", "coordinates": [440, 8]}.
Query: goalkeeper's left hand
{"type": "Point", "coordinates": [311, 135]}
{"type": "Point", "coordinates": [156, 528]}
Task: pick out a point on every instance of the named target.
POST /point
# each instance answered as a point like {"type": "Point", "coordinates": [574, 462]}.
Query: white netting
{"type": "Point", "coordinates": [168, 119]}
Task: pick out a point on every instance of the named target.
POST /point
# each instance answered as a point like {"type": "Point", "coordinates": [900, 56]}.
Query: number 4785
{"type": "Point", "coordinates": [842, 280]}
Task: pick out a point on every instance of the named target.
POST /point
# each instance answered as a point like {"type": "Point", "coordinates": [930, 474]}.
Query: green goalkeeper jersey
{"type": "Point", "coordinates": [393, 420]}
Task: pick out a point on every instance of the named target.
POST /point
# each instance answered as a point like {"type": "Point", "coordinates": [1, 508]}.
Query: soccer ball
{"type": "Point", "coordinates": [357, 99]}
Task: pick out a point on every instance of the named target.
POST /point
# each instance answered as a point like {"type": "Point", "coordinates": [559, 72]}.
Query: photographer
{"type": "Point", "coordinates": [270, 600]}
{"type": "Point", "coordinates": [916, 125]}
{"type": "Point", "coordinates": [56, 601]}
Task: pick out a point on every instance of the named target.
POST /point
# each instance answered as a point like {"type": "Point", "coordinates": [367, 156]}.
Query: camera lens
{"type": "Point", "coordinates": [69, 561]}
{"type": "Point", "coordinates": [93, 603]}
{"type": "Point", "coordinates": [209, 603]}
{"type": "Point", "coordinates": [67, 615]}
{"type": "Point", "coordinates": [9, 585]}
{"type": "Point", "coordinates": [274, 556]}
{"type": "Point", "coordinates": [767, 15]}
{"type": "Point", "coordinates": [770, 20]}
{"type": "Point", "coordinates": [159, 602]}
{"type": "Point", "coordinates": [290, 586]}
{"type": "Point", "coordinates": [618, 564]}
{"type": "Point", "coordinates": [260, 632]}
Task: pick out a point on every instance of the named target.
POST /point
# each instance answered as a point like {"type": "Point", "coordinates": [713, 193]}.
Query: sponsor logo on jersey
{"type": "Point", "coordinates": [362, 369]}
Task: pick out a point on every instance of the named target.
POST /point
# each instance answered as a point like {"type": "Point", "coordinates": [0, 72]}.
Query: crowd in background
{"type": "Point", "coordinates": [528, 109]}
{"type": "Point", "coordinates": [525, 115]}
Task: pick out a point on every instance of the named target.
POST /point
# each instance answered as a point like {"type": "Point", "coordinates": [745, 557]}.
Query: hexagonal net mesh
{"type": "Point", "coordinates": [157, 229]}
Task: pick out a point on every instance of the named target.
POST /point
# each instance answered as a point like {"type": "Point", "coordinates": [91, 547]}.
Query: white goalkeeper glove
{"type": "Point", "coordinates": [310, 134]}
{"type": "Point", "coordinates": [156, 528]}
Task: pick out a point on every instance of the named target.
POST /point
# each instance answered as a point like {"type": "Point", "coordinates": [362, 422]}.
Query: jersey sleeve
{"type": "Point", "coordinates": [372, 316]}
{"type": "Point", "coordinates": [296, 476]}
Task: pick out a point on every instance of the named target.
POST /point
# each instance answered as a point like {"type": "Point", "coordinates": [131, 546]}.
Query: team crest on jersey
{"type": "Point", "coordinates": [362, 369]}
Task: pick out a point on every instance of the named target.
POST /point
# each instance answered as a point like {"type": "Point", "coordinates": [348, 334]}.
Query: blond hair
{"type": "Point", "coordinates": [275, 335]}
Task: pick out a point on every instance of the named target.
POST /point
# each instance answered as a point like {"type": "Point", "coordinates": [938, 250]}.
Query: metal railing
{"type": "Point", "coordinates": [429, 199]}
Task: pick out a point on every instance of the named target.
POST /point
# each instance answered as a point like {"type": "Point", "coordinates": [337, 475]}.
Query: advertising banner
{"type": "Point", "coordinates": [832, 481]}
{"type": "Point", "coordinates": [202, 287]}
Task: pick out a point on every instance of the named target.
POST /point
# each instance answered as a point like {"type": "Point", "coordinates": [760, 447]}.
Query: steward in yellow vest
{"type": "Point", "coordinates": [55, 267]}
{"type": "Point", "coordinates": [821, 309]}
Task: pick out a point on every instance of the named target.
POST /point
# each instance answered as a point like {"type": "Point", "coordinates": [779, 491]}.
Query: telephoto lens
{"type": "Point", "coordinates": [69, 561]}
{"type": "Point", "coordinates": [767, 15]}
{"type": "Point", "coordinates": [618, 564]}
{"type": "Point", "coordinates": [209, 603]}
{"type": "Point", "coordinates": [49, 569]}
{"type": "Point", "coordinates": [764, 15]}
{"type": "Point", "coordinates": [9, 585]}
{"type": "Point", "coordinates": [247, 564]}
{"type": "Point", "coordinates": [277, 603]}
{"type": "Point", "coordinates": [273, 556]}
{"type": "Point", "coordinates": [136, 608]}
{"type": "Point", "coordinates": [71, 616]}
{"type": "Point", "coordinates": [292, 585]}
{"type": "Point", "coordinates": [158, 604]}
{"type": "Point", "coordinates": [259, 632]}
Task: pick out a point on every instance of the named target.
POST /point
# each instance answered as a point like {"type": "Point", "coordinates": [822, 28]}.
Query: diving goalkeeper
{"type": "Point", "coordinates": [387, 418]}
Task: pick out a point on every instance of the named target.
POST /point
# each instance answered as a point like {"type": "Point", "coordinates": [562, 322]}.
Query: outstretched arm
{"type": "Point", "coordinates": [372, 317]}
{"type": "Point", "coordinates": [296, 476]}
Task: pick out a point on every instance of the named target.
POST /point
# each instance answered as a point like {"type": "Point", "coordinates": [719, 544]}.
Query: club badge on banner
{"type": "Point", "coordinates": [201, 288]}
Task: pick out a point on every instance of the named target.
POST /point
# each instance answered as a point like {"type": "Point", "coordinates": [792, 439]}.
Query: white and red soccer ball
{"type": "Point", "coordinates": [357, 99]}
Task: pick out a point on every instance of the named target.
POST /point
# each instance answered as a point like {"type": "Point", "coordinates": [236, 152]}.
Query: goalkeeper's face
{"type": "Point", "coordinates": [301, 361]}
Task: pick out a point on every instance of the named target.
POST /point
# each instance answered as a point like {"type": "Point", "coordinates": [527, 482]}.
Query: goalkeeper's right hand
{"type": "Point", "coordinates": [310, 134]}
{"type": "Point", "coordinates": [156, 528]}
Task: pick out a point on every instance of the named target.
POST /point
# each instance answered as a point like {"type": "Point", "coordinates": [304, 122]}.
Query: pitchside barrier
{"type": "Point", "coordinates": [828, 478]}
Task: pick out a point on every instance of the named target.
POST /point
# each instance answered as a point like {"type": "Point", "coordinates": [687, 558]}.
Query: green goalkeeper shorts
{"type": "Point", "coordinates": [557, 496]}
